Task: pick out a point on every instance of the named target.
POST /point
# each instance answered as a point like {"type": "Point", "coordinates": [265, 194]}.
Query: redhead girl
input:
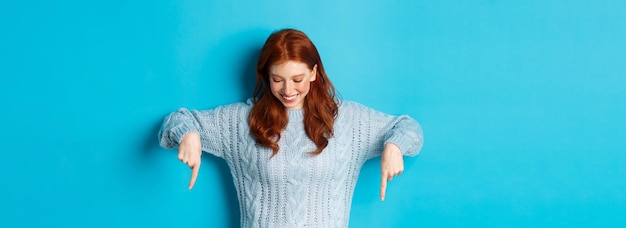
{"type": "Point", "coordinates": [294, 150]}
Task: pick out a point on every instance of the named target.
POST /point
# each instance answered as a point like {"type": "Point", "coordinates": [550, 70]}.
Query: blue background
{"type": "Point", "coordinates": [522, 104]}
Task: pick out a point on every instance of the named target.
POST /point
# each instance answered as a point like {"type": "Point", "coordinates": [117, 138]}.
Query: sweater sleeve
{"type": "Point", "coordinates": [206, 123]}
{"type": "Point", "coordinates": [377, 129]}
{"type": "Point", "coordinates": [405, 133]}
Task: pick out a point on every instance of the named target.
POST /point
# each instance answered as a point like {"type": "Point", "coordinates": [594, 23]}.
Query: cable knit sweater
{"type": "Point", "coordinates": [294, 188]}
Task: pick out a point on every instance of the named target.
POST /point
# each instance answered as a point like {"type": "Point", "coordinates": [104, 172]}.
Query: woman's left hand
{"type": "Point", "coordinates": [391, 165]}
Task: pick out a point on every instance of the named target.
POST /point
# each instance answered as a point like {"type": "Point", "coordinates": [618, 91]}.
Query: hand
{"type": "Point", "coordinates": [391, 164]}
{"type": "Point", "coordinates": [189, 152]}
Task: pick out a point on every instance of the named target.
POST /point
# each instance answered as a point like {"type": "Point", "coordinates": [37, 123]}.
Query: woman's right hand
{"type": "Point", "coordinates": [189, 152]}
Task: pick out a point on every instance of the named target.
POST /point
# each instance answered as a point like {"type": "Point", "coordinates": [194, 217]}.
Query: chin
{"type": "Point", "coordinates": [293, 106]}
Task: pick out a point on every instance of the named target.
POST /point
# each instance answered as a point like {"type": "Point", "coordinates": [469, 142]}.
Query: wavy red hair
{"type": "Point", "coordinates": [268, 117]}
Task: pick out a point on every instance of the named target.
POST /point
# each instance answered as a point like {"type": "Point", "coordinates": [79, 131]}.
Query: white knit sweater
{"type": "Point", "coordinates": [294, 188]}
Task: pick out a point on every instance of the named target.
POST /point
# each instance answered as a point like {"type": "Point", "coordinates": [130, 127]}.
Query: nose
{"type": "Point", "coordinates": [287, 88]}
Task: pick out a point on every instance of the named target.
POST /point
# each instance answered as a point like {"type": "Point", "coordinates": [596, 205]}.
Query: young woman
{"type": "Point", "coordinates": [295, 150]}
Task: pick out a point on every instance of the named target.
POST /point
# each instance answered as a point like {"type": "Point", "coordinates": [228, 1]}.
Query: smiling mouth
{"type": "Point", "coordinates": [290, 98]}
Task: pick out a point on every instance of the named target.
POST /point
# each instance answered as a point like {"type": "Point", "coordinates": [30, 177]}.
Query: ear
{"type": "Point", "coordinates": [314, 73]}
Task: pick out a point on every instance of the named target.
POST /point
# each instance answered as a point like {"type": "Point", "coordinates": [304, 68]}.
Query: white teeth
{"type": "Point", "coordinates": [291, 97]}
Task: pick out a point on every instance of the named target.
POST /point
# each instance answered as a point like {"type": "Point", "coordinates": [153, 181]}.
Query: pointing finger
{"type": "Point", "coordinates": [383, 187]}
{"type": "Point", "coordinates": [194, 175]}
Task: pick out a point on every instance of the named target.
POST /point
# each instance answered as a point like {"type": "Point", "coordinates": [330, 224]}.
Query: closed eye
{"type": "Point", "coordinates": [298, 79]}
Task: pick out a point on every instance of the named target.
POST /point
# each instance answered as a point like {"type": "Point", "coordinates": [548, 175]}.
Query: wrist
{"type": "Point", "coordinates": [192, 139]}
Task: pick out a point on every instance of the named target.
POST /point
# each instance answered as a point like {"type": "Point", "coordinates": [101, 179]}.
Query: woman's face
{"type": "Point", "coordinates": [290, 82]}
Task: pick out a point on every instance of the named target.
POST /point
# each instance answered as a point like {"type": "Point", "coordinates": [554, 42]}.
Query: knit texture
{"type": "Point", "coordinates": [294, 188]}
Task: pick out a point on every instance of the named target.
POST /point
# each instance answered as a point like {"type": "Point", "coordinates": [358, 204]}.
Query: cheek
{"type": "Point", "coordinates": [304, 87]}
{"type": "Point", "coordinates": [275, 87]}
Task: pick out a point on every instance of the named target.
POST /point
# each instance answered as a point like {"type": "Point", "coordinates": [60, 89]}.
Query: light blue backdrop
{"type": "Point", "coordinates": [523, 105]}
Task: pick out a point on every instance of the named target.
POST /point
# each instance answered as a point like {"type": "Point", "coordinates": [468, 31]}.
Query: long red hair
{"type": "Point", "coordinates": [268, 117]}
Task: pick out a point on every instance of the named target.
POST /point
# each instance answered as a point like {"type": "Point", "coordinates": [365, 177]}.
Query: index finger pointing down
{"type": "Point", "coordinates": [194, 175]}
{"type": "Point", "coordinates": [383, 187]}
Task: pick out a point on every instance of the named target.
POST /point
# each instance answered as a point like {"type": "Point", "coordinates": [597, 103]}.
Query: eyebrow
{"type": "Point", "coordinates": [293, 76]}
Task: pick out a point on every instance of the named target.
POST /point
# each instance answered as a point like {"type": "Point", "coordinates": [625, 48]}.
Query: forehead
{"type": "Point", "coordinates": [289, 68]}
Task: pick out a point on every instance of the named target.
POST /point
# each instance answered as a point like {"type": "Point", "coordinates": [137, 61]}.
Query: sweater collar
{"type": "Point", "coordinates": [295, 115]}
